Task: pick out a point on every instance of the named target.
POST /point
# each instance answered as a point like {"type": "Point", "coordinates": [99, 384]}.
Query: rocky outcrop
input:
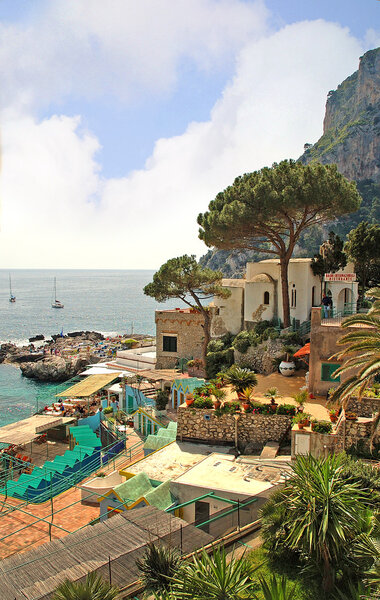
{"type": "Point", "coordinates": [351, 128]}
{"type": "Point", "coordinates": [54, 368]}
{"type": "Point", "coordinates": [261, 358]}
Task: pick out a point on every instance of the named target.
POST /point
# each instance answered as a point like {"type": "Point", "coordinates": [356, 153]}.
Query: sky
{"type": "Point", "coordinates": [121, 120]}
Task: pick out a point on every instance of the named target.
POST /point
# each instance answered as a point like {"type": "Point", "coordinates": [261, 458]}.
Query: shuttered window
{"type": "Point", "coordinates": [327, 370]}
{"type": "Point", "coordinates": [169, 343]}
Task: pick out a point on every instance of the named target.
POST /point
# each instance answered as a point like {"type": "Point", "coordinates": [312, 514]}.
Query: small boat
{"type": "Point", "coordinates": [56, 303]}
{"type": "Point", "coordinates": [12, 298]}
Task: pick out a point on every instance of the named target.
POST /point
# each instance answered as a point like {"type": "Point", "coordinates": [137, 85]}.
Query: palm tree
{"type": "Point", "coordinates": [158, 565]}
{"type": "Point", "coordinates": [94, 588]}
{"type": "Point", "coordinates": [362, 354]}
{"type": "Point", "coordinates": [214, 577]}
{"type": "Point", "coordinates": [322, 514]}
{"type": "Point", "coordinates": [240, 378]}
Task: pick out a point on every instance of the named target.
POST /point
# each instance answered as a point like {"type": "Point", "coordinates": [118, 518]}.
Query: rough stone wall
{"type": "Point", "coordinates": [366, 407]}
{"type": "Point", "coordinates": [260, 358]}
{"type": "Point", "coordinates": [251, 428]}
{"type": "Point", "coordinates": [187, 326]}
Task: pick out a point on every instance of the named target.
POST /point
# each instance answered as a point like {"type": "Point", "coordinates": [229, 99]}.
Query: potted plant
{"type": "Point", "coordinates": [189, 399]}
{"type": "Point", "coordinates": [272, 393]}
{"type": "Point", "coordinates": [287, 366]}
{"type": "Point", "coordinates": [302, 420]}
{"type": "Point", "coordinates": [321, 427]}
{"type": "Point", "coordinates": [220, 380]}
{"type": "Point", "coordinates": [301, 398]}
{"type": "Point", "coordinates": [219, 395]}
{"type": "Point", "coordinates": [245, 398]}
{"type": "Point", "coordinates": [240, 379]}
{"type": "Point", "coordinates": [334, 414]}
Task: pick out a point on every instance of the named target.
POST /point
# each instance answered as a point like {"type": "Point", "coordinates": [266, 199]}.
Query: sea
{"type": "Point", "coordinates": [108, 301]}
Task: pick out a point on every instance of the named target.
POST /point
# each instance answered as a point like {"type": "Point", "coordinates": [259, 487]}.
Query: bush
{"type": "Point", "coordinates": [203, 403]}
{"type": "Point", "coordinates": [286, 409]}
{"type": "Point", "coordinates": [215, 346]}
{"type": "Point", "coordinates": [242, 342]}
{"type": "Point", "coordinates": [322, 427]}
{"type": "Point", "coordinates": [162, 398]}
{"type": "Point", "coordinates": [218, 361]}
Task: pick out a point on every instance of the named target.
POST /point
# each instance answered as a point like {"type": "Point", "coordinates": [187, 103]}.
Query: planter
{"type": "Point", "coordinates": [300, 425]}
{"type": "Point", "coordinates": [274, 406]}
{"type": "Point", "coordinates": [189, 401]}
{"type": "Point", "coordinates": [217, 404]}
{"type": "Point", "coordinates": [333, 418]}
{"type": "Point", "coordinates": [287, 368]}
{"type": "Point", "coordinates": [246, 405]}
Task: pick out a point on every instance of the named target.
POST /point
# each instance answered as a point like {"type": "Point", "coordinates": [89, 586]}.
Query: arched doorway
{"type": "Point", "coordinates": [345, 301]}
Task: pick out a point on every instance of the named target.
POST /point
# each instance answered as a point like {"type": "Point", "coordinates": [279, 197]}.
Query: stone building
{"type": "Point", "coordinates": [258, 296]}
{"type": "Point", "coordinates": [179, 335]}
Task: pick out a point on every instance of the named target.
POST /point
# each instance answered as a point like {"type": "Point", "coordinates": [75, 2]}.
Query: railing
{"type": "Point", "coordinates": [336, 316]}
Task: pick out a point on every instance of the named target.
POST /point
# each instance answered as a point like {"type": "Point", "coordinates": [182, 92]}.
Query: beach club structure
{"type": "Point", "coordinates": [183, 386]}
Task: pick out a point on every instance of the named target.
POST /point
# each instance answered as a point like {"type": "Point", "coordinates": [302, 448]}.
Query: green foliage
{"type": "Point", "coordinates": [214, 577]}
{"type": "Point", "coordinates": [318, 515]}
{"type": "Point", "coordinates": [322, 427]}
{"type": "Point", "coordinates": [286, 409]}
{"type": "Point", "coordinates": [301, 397]}
{"type": "Point", "coordinates": [94, 588]}
{"type": "Point", "coordinates": [240, 378]}
{"type": "Point", "coordinates": [129, 343]}
{"type": "Point", "coordinates": [203, 403]}
{"type": "Point", "coordinates": [217, 361]}
{"type": "Point", "coordinates": [162, 398]}
{"type": "Point", "coordinates": [363, 248]}
{"type": "Point", "coordinates": [331, 257]}
{"type": "Point", "coordinates": [277, 588]}
{"type": "Point", "coordinates": [157, 566]}
{"type": "Point", "coordinates": [366, 476]}
{"type": "Point", "coordinates": [301, 417]}
{"type": "Point", "coordinates": [107, 410]}
{"type": "Point", "coordinates": [215, 346]}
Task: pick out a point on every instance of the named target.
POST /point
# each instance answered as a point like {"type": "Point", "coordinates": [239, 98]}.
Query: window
{"type": "Point", "coordinates": [327, 371]}
{"type": "Point", "coordinates": [266, 297]}
{"type": "Point", "coordinates": [169, 343]}
{"type": "Point", "coordinates": [294, 297]}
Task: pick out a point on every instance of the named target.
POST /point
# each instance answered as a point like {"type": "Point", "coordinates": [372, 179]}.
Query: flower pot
{"type": "Point", "coordinates": [217, 404]}
{"type": "Point", "coordinates": [246, 405]}
{"type": "Point", "coordinates": [287, 368]}
{"type": "Point", "coordinates": [273, 406]}
{"type": "Point", "coordinates": [189, 401]}
{"type": "Point", "coordinates": [333, 418]}
{"type": "Point", "coordinates": [300, 425]}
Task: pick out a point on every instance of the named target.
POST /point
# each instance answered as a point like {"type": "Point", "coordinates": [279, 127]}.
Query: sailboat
{"type": "Point", "coordinates": [12, 298]}
{"type": "Point", "coordinates": [56, 303]}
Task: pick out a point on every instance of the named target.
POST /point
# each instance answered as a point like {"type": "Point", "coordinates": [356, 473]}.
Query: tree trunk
{"type": "Point", "coordinates": [328, 577]}
{"type": "Point", "coordinates": [206, 331]}
{"type": "Point", "coordinates": [284, 263]}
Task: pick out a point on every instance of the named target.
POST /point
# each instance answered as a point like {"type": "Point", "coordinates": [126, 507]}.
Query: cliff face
{"type": "Point", "coordinates": [351, 128]}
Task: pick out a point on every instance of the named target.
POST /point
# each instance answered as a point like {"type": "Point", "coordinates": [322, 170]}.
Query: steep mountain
{"type": "Point", "coordinates": [351, 128]}
{"type": "Point", "coordinates": [351, 140]}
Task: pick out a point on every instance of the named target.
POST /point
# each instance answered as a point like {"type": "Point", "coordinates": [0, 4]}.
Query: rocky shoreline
{"type": "Point", "coordinates": [63, 357]}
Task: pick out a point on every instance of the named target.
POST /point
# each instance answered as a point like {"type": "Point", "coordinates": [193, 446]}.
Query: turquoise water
{"type": "Point", "coordinates": [98, 300]}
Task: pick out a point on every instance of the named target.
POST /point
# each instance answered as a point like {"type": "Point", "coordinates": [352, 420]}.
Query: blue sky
{"type": "Point", "coordinates": [128, 116]}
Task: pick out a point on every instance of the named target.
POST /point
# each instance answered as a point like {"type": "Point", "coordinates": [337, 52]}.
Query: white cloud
{"type": "Point", "coordinates": [88, 48]}
{"type": "Point", "coordinates": [58, 212]}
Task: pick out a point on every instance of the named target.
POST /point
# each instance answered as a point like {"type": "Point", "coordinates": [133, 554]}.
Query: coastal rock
{"type": "Point", "coordinates": [261, 358]}
{"type": "Point", "coordinates": [54, 368]}
{"type": "Point", "coordinates": [37, 338]}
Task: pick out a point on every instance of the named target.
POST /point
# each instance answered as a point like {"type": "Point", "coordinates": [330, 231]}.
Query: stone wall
{"type": "Point", "coordinates": [366, 407]}
{"type": "Point", "coordinates": [187, 327]}
{"type": "Point", "coordinates": [203, 425]}
{"type": "Point", "coordinates": [349, 433]}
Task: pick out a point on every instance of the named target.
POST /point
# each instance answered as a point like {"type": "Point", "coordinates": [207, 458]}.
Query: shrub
{"type": "Point", "coordinates": [217, 361]}
{"type": "Point", "coordinates": [203, 403]}
{"type": "Point", "coordinates": [240, 378]}
{"type": "Point", "coordinates": [242, 342]}
{"type": "Point", "coordinates": [301, 417]}
{"type": "Point", "coordinates": [322, 427]}
{"type": "Point", "coordinates": [215, 346]}
{"type": "Point", "coordinates": [158, 565]}
{"type": "Point", "coordinates": [286, 409]}
{"type": "Point", "coordinates": [162, 398]}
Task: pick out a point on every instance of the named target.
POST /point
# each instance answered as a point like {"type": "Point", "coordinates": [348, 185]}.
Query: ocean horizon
{"type": "Point", "coordinates": [109, 301]}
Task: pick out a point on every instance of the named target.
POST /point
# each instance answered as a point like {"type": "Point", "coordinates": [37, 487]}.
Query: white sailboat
{"type": "Point", "coordinates": [12, 298]}
{"type": "Point", "coordinates": [56, 303]}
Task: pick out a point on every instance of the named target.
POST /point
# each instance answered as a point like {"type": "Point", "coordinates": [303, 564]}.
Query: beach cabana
{"type": "Point", "coordinates": [145, 423]}
{"type": "Point", "coordinates": [181, 387]}
{"type": "Point", "coordinates": [91, 386]}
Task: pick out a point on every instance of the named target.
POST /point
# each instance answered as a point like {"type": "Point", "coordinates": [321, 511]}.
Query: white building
{"type": "Point", "coordinates": [259, 296]}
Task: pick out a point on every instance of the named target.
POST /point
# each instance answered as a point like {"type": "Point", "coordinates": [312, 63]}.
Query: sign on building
{"type": "Point", "coordinates": [345, 277]}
